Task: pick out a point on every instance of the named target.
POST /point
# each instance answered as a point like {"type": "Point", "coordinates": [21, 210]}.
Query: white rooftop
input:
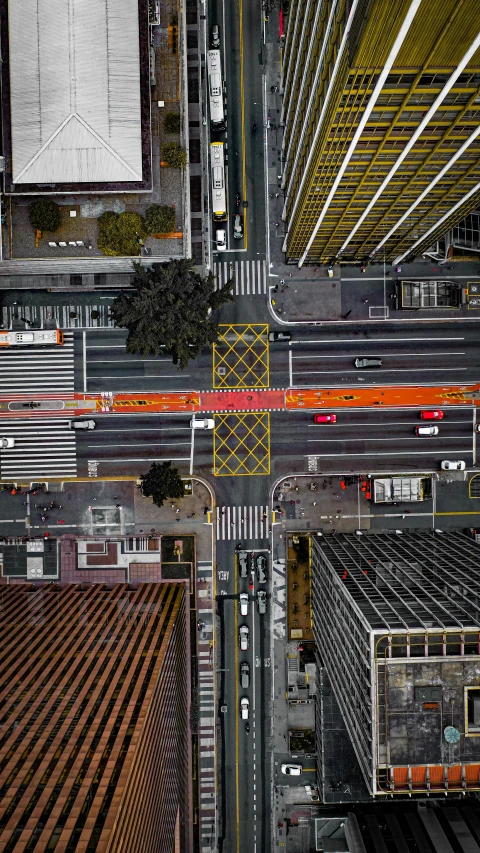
{"type": "Point", "coordinates": [75, 91]}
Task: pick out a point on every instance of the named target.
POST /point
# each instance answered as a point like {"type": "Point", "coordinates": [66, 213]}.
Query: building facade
{"type": "Point", "coordinates": [397, 626]}
{"type": "Point", "coordinates": [94, 745]}
{"type": "Point", "coordinates": [381, 113]}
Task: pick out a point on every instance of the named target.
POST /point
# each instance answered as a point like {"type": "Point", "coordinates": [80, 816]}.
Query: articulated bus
{"type": "Point", "coordinates": [35, 337]}
{"type": "Point", "coordinates": [215, 90]}
{"type": "Point", "coordinates": [219, 197]}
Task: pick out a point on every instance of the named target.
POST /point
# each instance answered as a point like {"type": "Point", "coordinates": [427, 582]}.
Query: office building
{"type": "Point", "coordinates": [94, 743]}
{"type": "Point", "coordinates": [397, 626]}
{"type": "Point", "coordinates": [75, 96]}
{"type": "Point", "coordinates": [382, 121]}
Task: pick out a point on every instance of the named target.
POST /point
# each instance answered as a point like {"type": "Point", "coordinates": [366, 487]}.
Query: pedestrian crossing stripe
{"type": "Point", "coordinates": [44, 447]}
{"type": "Point", "coordinates": [250, 276]}
{"type": "Point", "coordinates": [242, 522]}
{"type": "Point", "coordinates": [38, 369]}
{"type": "Point", "coordinates": [90, 316]}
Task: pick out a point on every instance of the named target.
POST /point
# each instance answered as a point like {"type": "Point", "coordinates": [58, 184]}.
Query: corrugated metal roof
{"type": "Point", "coordinates": [75, 91]}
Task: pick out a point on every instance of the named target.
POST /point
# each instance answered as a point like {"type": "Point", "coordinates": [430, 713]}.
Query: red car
{"type": "Point", "coordinates": [431, 415]}
{"type": "Point", "coordinates": [324, 419]}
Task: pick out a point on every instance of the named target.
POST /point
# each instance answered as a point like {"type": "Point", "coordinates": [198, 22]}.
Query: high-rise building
{"type": "Point", "coordinates": [94, 719]}
{"type": "Point", "coordinates": [396, 621]}
{"type": "Point", "coordinates": [382, 121]}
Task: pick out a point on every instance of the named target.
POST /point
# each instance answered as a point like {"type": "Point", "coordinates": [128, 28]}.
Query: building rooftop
{"type": "Point", "coordinates": [75, 103]}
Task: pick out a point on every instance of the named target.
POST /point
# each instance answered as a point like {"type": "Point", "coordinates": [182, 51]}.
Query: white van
{"type": "Point", "coordinates": [202, 423]}
{"type": "Point", "coordinates": [426, 430]}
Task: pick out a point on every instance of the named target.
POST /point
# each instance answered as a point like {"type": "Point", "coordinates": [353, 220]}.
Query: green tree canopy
{"type": "Point", "coordinates": [170, 307]}
{"type": "Point", "coordinates": [162, 482]}
{"type": "Point", "coordinates": [171, 123]}
{"type": "Point", "coordinates": [160, 219]}
{"type": "Point", "coordinates": [120, 233]}
{"type": "Point", "coordinates": [45, 214]}
{"type": "Point", "coordinates": [174, 155]}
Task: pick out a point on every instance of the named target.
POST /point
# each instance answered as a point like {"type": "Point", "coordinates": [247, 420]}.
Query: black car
{"type": "Point", "coordinates": [261, 569]}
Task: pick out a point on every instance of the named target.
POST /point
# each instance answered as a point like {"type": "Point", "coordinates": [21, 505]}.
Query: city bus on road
{"type": "Point", "coordinates": [219, 197]}
{"type": "Point", "coordinates": [34, 337]}
{"type": "Point", "coordinates": [215, 90]}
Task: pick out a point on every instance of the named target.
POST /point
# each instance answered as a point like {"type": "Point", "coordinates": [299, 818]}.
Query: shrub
{"type": "Point", "coordinates": [45, 214]}
{"type": "Point", "coordinates": [160, 219]}
{"type": "Point", "coordinates": [119, 233]}
{"type": "Point", "coordinates": [174, 155]}
{"type": "Point", "coordinates": [171, 123]}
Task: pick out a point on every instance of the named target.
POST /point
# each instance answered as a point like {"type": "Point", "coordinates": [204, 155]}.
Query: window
{"type": "Point", "coordinates": [472, 716]}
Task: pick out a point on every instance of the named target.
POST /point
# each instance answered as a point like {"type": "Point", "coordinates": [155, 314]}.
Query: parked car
{"type": "Point", "coordinates": [368, 362]}
{"type": "Point", "coordinates": [7, 442]}
{"type": "Point", "coordinates": [237, 226]}
{"type": "Point", "coordinates": [221, 238]}
{"type": "Point", "coordinates": [243, 563]}
{"type": "Point", "coordinates": [452, 465]}
{"type": "Point", "coordinates": [426, 430]}
{"type": "Point", "coordinates": [279, 336]}
{"type": "Point", "coordinates": [244, 604]}
{"type": "Point", "coordinates": [292, 769]}
{"type": "Point", "coordinates": [202, 423]}
{"type": "Point", "coordinates": [243, 633]}
{"type": "Point", "coordinates": [261, 569]}
{"type": "Point", "coordinates": [81, 424]}
{"type": "Point", "coordinates": [431, 415]}
{"type": "Point", "coordinates": [261, 602]}
{"type": "Point", "coordinates": [245, 675]}
{"type": "Point", "coordinates": [324, 419]}
{"type": "Point", "coordinates": [244, 707]}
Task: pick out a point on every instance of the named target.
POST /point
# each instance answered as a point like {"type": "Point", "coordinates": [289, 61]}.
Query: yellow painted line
{"type": "Point", "coordinates": [242, 101]}
{"type": "Point", "coordinates": [467, 512]}
{"type": "Point", "coordinates": [235, 710]}
{"type": "Point", "coordinates": [309, 770]}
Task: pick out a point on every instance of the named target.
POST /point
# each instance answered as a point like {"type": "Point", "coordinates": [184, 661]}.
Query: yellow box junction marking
{"type": "Point", "coordinates": [241, 444]}
{"type": "Point", "coordinates": [240, 357]}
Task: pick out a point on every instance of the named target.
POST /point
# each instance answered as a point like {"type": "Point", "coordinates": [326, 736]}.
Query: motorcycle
{"type": "Point", "coordinates": [238, 199]}
{"type": "Point", "coordinates": [247, 727]}
{"type": "Point", "coordinates": [254, 127]}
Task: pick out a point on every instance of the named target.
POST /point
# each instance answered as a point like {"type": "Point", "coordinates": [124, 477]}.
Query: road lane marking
{"type": "Point", "coordinates": [382, 355]}
{"type": "Point", "coordinates": [389, 438]}
{"type": "Point", "coordinates": [146, 459]}
{"type": "Point", "coordinates": [374, 340]}
{"type": "Point", "coordinates": [386, 423]}
{"type": "Point", "coordinates": [84, 359]}
{"type": "Point", "coordinates": [383, 453]}
{"type": "Point", "coordinates": [152, 444]}
{"type": "Point", "coordinates": [380, 371]}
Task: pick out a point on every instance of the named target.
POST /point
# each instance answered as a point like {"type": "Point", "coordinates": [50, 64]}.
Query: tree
{"type": "Point", "coordinates": [45, 214]}
{"type": "Point", "coordinates": [162, 482]}
{"type": "Point", "coordinates": [171, 123]}
{"type": "Point", "coordinates": [169, 310]}
{"type": "Point", "coordinates": [160, 219]}
{"type": "Point", "coordinates": [174, 155]}
{"type": "Point", "coordinates": [120, 233]}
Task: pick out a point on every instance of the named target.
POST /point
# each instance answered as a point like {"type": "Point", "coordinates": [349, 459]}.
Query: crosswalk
{"type": "Point", "coordinates": [44, 447]}
{"type": "Point", "coordinates": [242, 522]}
{"type": "Point", "coordinates": [250, 276]}
{"type": "Point", "coordinates": [39, 370]}
{"type": "Point", "coordinates": [66, 316]}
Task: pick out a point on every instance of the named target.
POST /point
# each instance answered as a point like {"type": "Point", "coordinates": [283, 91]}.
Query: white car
{"type": "Point", "coordinates": [81, 424]}
{"type": "Point", "coordinates": [244, 604]}
{"type": "Point", "coordinates": [7, 442]}
{"type": "Point", "coordinates": [244, 707]}
{"type": "Point", "coordinates": [221, 238]}
{"type": "Point", "coordinates": [202, 423]}
{"type": "Point", "coordinates": [243, 638]}
{"type": "Point", "coordinates": [452, 465]}
{"type": "Point", "coordinates": [292, 769]}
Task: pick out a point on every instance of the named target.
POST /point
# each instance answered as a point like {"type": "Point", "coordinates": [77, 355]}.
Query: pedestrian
{"type": "Point", "coordinates": [290, 274]}
{"type": "Point", "coordinates": [43, 517]}
{"type": "Point", "coordinates": [172, 506]}
{"type": "Point", "coordinates": [347, 314]}
{"type": "Point", "coordinates": [277, 224]}
{"type": "Point", "coordinates": [90, 509]}
{"type": "Point", "coordinates": [365, 301]}
{"type": "Point", "coordinates": [223, 510]}
{"type": "Point", "coordinates": [232, 524]}
{"type": "Point", "coordinates": [177, 510]}
{"type": "Point", "coordinates": [363, 268]}
{"type": "Point", "coordinates": [118, 506]}
{"type": "Point", "coordinates": [276, 195]}
{"type": "Point", "coordinates": [282, 281]}
{"type": "Point", "coordinates": [193, 513]}
{"type": "Point", "coordinates": [272, 89]}
{"type": "Point", "coordinates": [94, 499]}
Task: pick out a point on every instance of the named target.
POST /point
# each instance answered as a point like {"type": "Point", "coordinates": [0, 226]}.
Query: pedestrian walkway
{"type": "Point", "coordinates": [250, 276]}
{"type": "Point", "coordinates": [207, 787]}
{"type": "Point", "coordinates": [44, 447]}
{"type": "Point", "coordinates": [65, 316]}
{"type": "Point", "coordinates": [242, 522]}
{"type": "Point", "coordinates": [45, 370]}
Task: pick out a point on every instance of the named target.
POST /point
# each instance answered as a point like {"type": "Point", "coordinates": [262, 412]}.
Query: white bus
{"type": "Point", "coordinates": [215, 90]}
{"type": "Point", "coordinates": [219, 197]}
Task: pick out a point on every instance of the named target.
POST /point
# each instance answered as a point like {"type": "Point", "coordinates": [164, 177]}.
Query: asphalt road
{"type": "Point", "coordinates": [245, 757]}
